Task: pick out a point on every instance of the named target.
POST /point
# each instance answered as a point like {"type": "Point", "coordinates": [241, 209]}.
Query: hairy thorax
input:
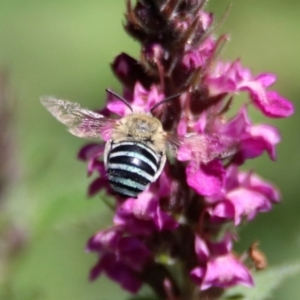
{"type": "Point", "coordinates": [140, 128]}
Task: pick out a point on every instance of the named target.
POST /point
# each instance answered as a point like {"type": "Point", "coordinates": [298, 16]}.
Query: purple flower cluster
{"type": "Point", "coordinates": [184, 224]}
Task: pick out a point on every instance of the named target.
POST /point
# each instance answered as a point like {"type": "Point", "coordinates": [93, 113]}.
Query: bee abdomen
{"type": "Point", "coordinates": [131, 167]}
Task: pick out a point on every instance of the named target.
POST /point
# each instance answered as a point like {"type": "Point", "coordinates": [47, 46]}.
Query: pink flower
{"type": "Point", "coordinates": [93, 153]}
{"type": "Point", "coordinates": [218, 267]}
{"type": "Point", "coordinates": [128, 70]}
{"type": "Point", "coordinates": [253, 140]}
{"type": "Point", "coordinates": [185, 168]}
{"type": "Point", "coordinates": [208, 179]}
{"type": "Point", "coordinates": [121, 257]}
{"type": "Point", "coordinates": [117, 271]}
{"type": "Point", "coordinates": [142, 101]}
{"type": "Point", "coordinates": [223, 272]}
{"type": "Point", "coordinates": [181, 216]}
{"type": "Point", "coordinates": [196, 58]}
{"type": "Point", "coordinates": [244, 195]}
{"type": "Point", "coordinates": [233, 78]}
{"type": "Point", "coordinates": [143, 216]}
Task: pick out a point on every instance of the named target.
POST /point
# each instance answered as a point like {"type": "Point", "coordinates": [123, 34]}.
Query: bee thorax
{"type": "Point", "coordinates": [140, 128]}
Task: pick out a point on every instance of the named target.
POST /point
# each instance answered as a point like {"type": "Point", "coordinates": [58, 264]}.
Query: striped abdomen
{"type": "Point", "coordinates": [131, 167]}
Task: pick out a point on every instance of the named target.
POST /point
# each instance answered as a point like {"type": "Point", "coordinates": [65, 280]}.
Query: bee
{"type": "Point", "coordinates": [135, 153]}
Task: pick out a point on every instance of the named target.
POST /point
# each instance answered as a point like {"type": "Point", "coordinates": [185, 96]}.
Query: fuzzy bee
{"type": "Point", "coordinates": [135, 153]}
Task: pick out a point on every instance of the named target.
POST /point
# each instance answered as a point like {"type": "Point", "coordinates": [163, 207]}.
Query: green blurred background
{"type": "Point", "coordinates": [64, 48]}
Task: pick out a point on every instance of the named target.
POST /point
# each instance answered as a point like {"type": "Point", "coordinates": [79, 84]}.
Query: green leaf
{"type": "Point", "coordinates": [265, 283]}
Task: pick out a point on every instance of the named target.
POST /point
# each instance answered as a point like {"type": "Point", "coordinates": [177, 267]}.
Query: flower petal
{"type": "Point", "coordinates": [208, 179]}
{"type": "Point", "coordinates": [247, 203]}
{"type": "Point", "coordinates": [226, 271]}
{"type": "Point", "coordinates": [119, 272]}
{"type": "Point", "coordinates": [201, 249]}
{"type": "Point", "coordinates": [272, 104]}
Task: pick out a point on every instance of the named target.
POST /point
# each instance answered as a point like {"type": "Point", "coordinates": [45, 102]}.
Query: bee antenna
{"type": "Point", "coordinates": [120, 98]}
{"type": "Point", "coordinates": [163, 101]}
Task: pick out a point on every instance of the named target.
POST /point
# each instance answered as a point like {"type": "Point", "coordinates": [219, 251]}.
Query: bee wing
{"type": "Point", "coordinates": [202, 147]}
{"type": "Point", "coordinates": [80, 121]}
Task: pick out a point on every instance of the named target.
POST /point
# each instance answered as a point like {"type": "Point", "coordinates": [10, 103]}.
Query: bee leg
{"type": "Point", "coordinates": [161, 166]}
{"type": "Point", "coordinates": [106, 151]}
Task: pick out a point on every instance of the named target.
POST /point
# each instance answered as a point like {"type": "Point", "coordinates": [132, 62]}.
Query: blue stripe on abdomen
{"type": "Point", "coordinates": [131, 167]}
